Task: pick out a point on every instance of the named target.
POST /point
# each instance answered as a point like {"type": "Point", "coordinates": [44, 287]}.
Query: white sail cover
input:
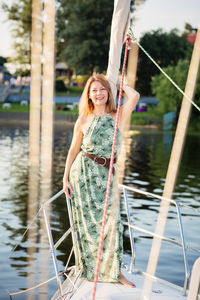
{"type": "Point", "coordinates": [119, 28]}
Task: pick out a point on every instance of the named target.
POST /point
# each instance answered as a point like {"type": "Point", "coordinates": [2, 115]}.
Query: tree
{"type": "Point", "coordinates": [169, 97]}
{"type": "Point", "coordinates": [85, 31]}
{"type": "Point", "coordinates": [82, 31]}
{"type": "Point", "coordinates": [19, 13]}
{"type": "Point", "coordinates": [166, 49]}
{"type": "Point", "coordinates": [3, 60]}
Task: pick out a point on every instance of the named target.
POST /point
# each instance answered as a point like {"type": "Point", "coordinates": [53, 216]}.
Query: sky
{"type": "Point", "coordinates": [5, 32]}
{"type": "Point", "coordinates": [151, 15]}
{"type": "Point", "coordinates": [166, 14]}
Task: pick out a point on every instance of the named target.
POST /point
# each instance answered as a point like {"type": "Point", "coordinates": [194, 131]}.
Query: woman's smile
{"type": "Point", "coordinates": [98, 93]}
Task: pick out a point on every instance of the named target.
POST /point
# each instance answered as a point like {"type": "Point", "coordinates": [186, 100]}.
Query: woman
{"type": "Point", "coordinates": [86, 174]}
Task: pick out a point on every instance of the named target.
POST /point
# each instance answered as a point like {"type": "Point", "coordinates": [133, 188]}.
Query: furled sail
{"type": "Point", "coordinates": [119, 29]}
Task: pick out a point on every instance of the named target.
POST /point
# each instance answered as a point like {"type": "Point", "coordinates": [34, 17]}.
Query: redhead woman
{"type": "Point", "coordinates": [85, 179]}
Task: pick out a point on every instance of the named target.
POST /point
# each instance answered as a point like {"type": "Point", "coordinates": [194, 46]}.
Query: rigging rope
{"type": "Point", "coordinates": [34, 218]}
{"type": "Point", "coordinates": [110, 172]}
{"type": "Point", "coordinates": [130, 32]}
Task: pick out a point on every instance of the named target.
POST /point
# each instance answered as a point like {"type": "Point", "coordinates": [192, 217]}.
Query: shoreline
{"type": "Point", "coordinates": [22, 119]}
{"type": "Point", "coordinates": [15, 119]}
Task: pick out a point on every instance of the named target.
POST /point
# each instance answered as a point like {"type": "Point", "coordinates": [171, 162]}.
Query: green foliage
{"type": "Point", "coordinates": [81, 79]}
{"type": "Point", "coordinates": [19, 12]}
{"type": "Point", "coordinates": [22, 72]}
{"type": "Point", "coordinates": [83, 33]}
{"type": "Point", "coordinates": [166, 49]}
{"type": "Point", "coordinates": [71, 91]}
{"type": "Point", "coordinates": [75, 90]}
{"type": "Point", "coordinates": [150, 117]}
{"type": "Point", "coordinates": [60, 86]}
{"type": "Point", "coordinates": [73, 112]}
{"type": "Point", "coordinates": [15, 107]}
{"type": "Point", "coordinates": [64, 78]}
{"type": "Point", "coordinates": [169, 97]}
{"type": "Point", "coordinates": [84, 30]}
{"type": "Point", "coordinates": [3, 60]}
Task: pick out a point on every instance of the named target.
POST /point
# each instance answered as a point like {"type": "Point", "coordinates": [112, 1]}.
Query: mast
{"type": "Point", "coordinates": [174, 163]}
{"type": "Point", "coordinates": [48, 87]}
{"type": "Point", "coordinates": [132, 65]}
{"type": "Point", "coordinates": [126, 133]}
{"type": "Point", "coordinates": [34, 133]}
{"type": "Point", "coordinates": [42, 82]}
{"type": "Point", "coordinates": [47, 127]}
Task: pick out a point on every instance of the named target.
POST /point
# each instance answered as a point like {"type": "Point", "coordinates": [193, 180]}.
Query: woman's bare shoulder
{"type": "Point", "coordinates": [84, 119]}
{"type": "Point", "coordinates": [83, 122]}
{"type": "Point", "coordinates": [78, 124]}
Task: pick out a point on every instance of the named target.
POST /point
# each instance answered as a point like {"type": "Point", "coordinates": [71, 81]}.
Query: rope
{"type": "Point", "coordinates": [27, 228]}
{"type": "Point", "coordinates": [162, 71]}
{"type": "Point", "coordinates": [34, 218]}
{"type": "Point", "coordinates": [70, 288]}
{"type": "Point", "coordinates": [34, 287]}
{"type": "Point", "coordinates": [47, 281]}
{"type": "Point", "coordinates": [110, 173]}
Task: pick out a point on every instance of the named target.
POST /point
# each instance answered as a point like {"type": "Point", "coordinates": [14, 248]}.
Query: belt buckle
{"type": "Point", "coordinates": [99, 163]}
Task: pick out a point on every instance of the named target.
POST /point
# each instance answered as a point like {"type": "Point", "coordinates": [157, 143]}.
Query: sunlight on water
{"type": "Point", "coordinates": [146, 167]}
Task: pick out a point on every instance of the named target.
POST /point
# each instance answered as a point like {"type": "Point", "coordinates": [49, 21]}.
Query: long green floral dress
{"type": "Point", "coordinates": [89, 182]}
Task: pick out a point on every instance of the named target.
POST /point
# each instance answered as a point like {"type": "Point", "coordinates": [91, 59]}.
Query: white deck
{"type": "Point", "coordinates": [107, 291]}
{"type": "Point", "coordinates": [116, 291]}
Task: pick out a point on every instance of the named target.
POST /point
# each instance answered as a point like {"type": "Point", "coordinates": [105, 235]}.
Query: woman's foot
{"type": "Point", "coordinates": [125, 282]}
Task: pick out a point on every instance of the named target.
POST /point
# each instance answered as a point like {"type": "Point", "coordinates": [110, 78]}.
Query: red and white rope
{"type": "Point", "coordinates": [110, 172]}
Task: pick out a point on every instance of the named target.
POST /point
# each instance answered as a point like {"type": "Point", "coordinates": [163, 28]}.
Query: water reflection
{"type": "Point", "coordinates": [13, 178]}
{"type": "Point", "coordinates": [146, 167]}
{"type": "Point", "coordinates": [33, 196]}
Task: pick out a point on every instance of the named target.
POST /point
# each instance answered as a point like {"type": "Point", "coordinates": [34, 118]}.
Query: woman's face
{"type": "Point", "coordinates": [98, 93]}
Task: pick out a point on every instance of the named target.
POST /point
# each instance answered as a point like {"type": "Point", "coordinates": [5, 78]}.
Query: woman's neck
{"type": "Point", "coordinates": [100, 111]}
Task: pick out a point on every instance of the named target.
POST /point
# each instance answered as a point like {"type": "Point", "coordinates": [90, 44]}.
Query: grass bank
{"type": "Point", "coordinates": [150, 117]}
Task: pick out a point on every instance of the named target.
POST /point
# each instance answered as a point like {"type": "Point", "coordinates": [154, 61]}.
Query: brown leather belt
{"type": "Point", "coordinates": [100, 160]}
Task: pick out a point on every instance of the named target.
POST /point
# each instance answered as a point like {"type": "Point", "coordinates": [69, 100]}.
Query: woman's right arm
{"type": "Point", "coordinates": [73, 152]}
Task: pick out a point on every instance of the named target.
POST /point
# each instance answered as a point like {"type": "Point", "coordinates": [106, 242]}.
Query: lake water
{"type": "Point", "coordinates": [146, 167]}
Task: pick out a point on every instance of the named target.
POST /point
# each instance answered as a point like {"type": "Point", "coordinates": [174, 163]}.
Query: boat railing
{"type": "Point", "coordinates": [54, 246]}
{"type": "Point", "coordinates": [131, 227]}
{"type": "Point", "coordinates": [182, 244]}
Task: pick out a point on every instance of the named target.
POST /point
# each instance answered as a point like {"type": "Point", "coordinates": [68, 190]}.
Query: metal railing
{"type": "Point", "coordinates": [124, 188]}
{"type": "Point", "coordinates": [54, 246]}
{"type": "Point", "coordinates": [153, 234]}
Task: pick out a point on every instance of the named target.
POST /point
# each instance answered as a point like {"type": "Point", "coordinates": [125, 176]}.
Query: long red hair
{"type": "Point", "coordinates": [86, 106]}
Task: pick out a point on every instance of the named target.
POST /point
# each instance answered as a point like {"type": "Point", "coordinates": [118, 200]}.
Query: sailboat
{"type": "Point", "coordinates": [74, 287]}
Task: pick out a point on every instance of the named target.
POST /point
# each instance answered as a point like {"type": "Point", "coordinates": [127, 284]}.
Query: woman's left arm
{"type": "Point", "coordinates": [130, 103]}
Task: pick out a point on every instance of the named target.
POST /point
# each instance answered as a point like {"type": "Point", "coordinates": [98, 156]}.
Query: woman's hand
{"type": "Point", "coordinates": [118, 84]}
{"type": "Point", "coordinates": [72, 154]}
{"type": "Point", "coordinates": [67, 187]}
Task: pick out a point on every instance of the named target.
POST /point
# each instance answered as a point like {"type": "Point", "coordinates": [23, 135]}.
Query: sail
{"type": "Point", "coordinates": [119, 28]}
